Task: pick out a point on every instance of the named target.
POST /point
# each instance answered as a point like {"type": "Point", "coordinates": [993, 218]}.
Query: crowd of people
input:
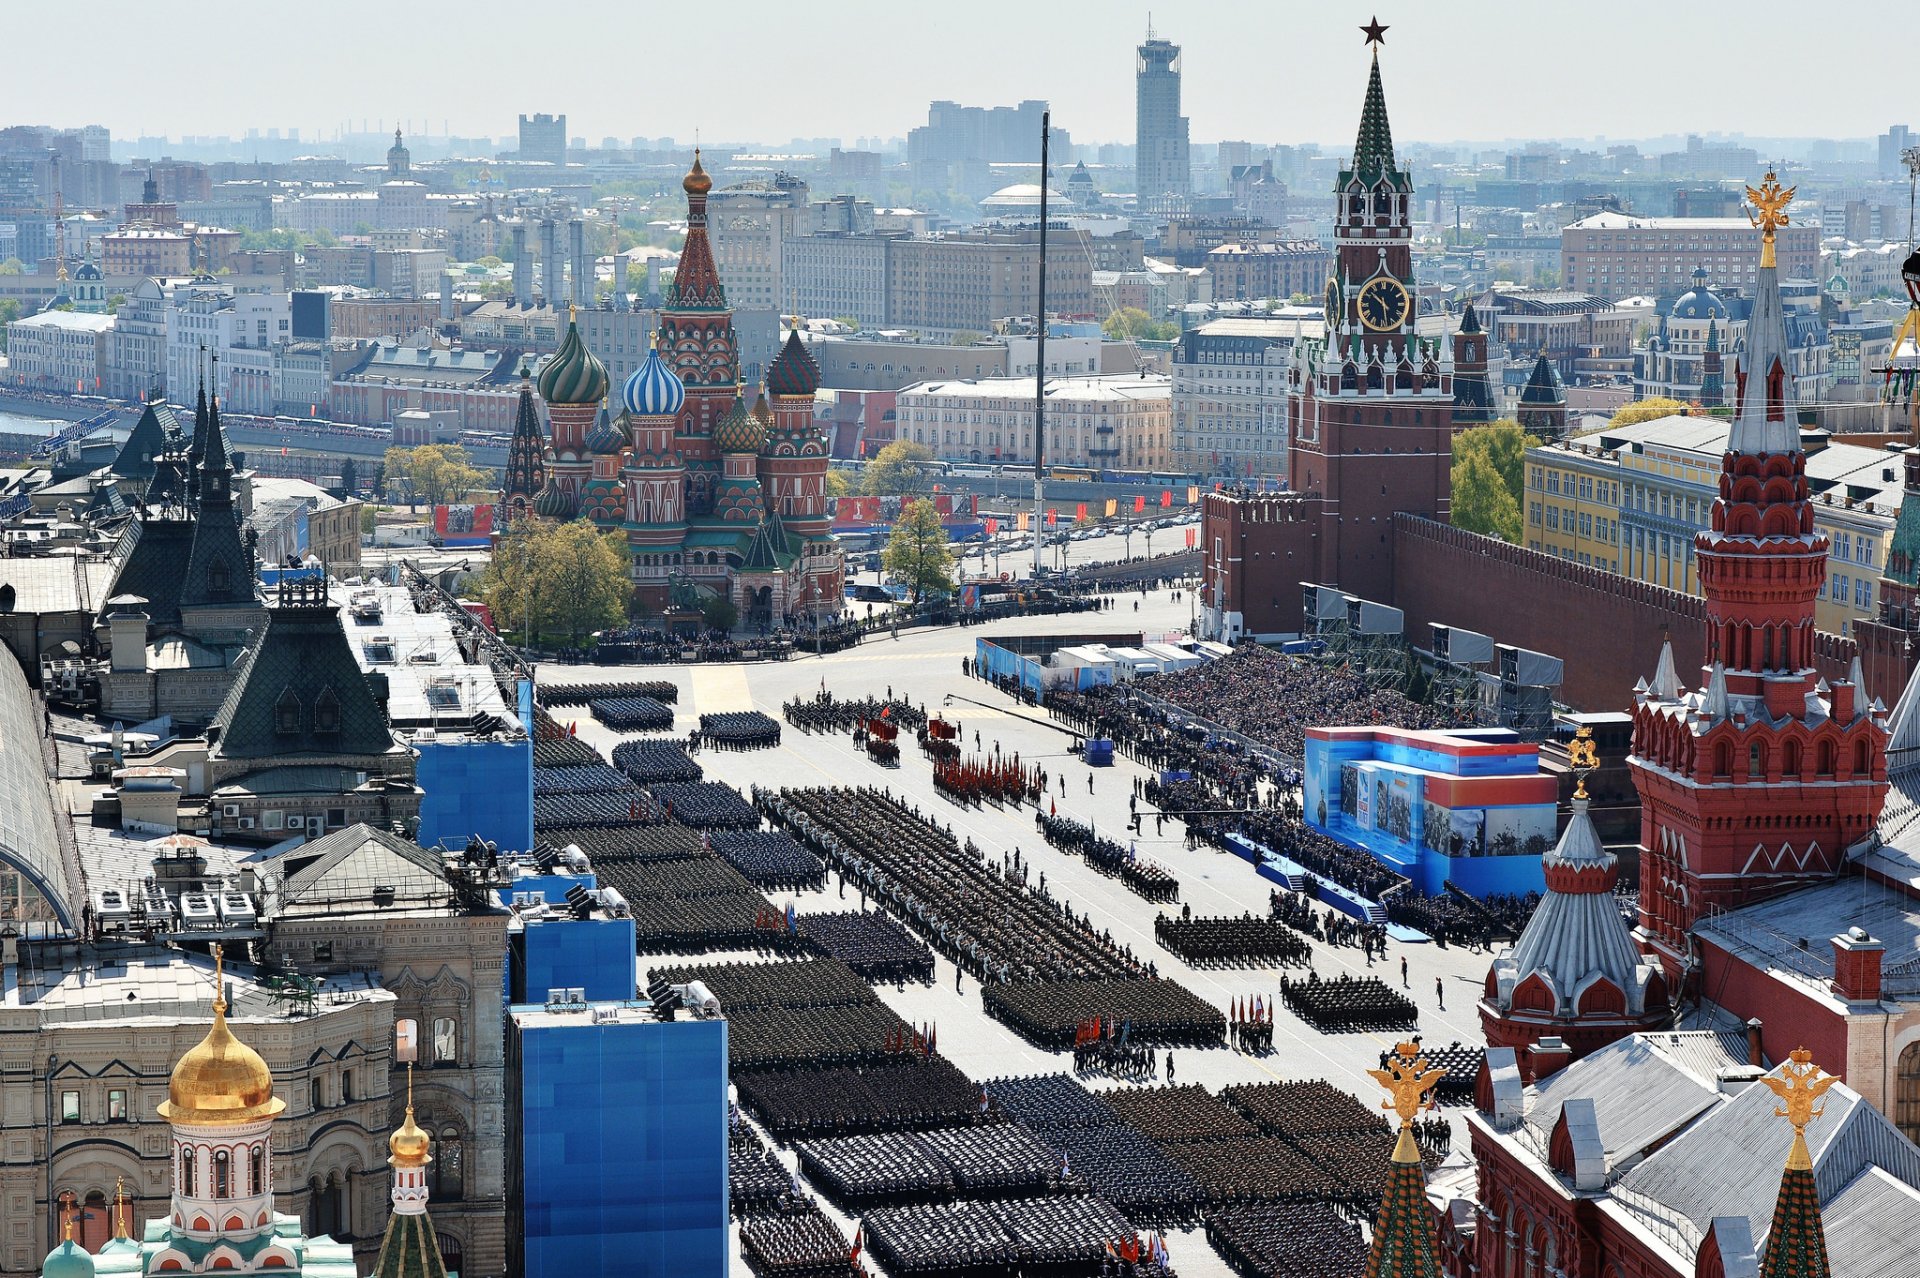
{"type": "Point", "coordinates": [580, 694]}
{"type": "Point", "coordinates": [649, 761]}
{"type": "Point", "coordinates": [1246, 941]}
{"type": "Point", "coordinates": [861, 1172]}
{"type": "Point", "coordinates": [739, 730]}
{"type": "Point", "coordinates": [993, 1238]}
{"type": "Point", "coordinates": [632, 714]}
{"type": "Point", "coordinates": [1142, 875]}
{"type": "Point", "coordinates": [824, 712]}
{"type": "Point", "coordinates": [1307, 1240]}
{"type": "Point", "coordinates": [1154, 1011]}
{"type": "Point", "coordinates": [987, 779]}
{"type": "Point", "coordinates": [648, 645]}
{"type": "Point", "coordinates": [1335, 927]}
{"type": "Point", "coordinates": [871, 943]}
{"type": "Point", "coordinates": [905, 1094]}
{"type": "Point", "coordinates": [704, 805]}
{"type": "Point", "coordinates": [1348, 1004]}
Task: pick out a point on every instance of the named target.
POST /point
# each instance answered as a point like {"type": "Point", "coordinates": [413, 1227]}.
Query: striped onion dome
{"type": "Point", "coordinates": [573, 375]}
{"type": "Point", "coordinates": [654, 390]}
{"type": "Point", "coordinates": [552, 502]}
{"type": "Point", "coordinates": [793, 371]}
{"type": "Point", "coordinates": [606, 436]}
{"type": "Point", "coordinates": [739, 431]}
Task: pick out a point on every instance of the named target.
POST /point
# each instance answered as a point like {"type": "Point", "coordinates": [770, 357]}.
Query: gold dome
{"type": "Point", "coordinates": [696, 182]}
{"type": "Point", "coordinates": [221, 1082]}
{"type": "Point", "coordinates": [409, 1144]}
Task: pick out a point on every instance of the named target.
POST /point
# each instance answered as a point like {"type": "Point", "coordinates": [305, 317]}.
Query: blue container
{"type": "Point", "coordinates": [1099, 752]}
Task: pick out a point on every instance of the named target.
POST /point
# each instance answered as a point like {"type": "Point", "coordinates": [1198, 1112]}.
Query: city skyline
{"type": "Point", "coordinates": [1077, 54]}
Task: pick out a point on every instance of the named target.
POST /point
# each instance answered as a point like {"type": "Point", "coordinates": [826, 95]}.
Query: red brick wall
{"type": "Point", "coordinates": [1606, 627]}
{"type": "Point", "coordinates": [1788, 1017]}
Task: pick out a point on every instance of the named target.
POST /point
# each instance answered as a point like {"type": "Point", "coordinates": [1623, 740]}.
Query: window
{"type": "Point", "coordinates": [449, 1165]}
{"type": "Point", "coordinates": [116, 1105]}
{"type": "Point", "coordinates": [257, 1170]}
{"type": "Point", "coordinates": [1862, 593]}
{"type": "Point", "coordinates": [69, 1107]}
{"type": "Point", "coordinates": [446, 1040]}
{"type": "Point", "coordinates": [1906, 1105]}
{"type": "Point", "coordinates": [316, 1094]}
{"type": "Point", "coordinates": [188, 1185]}
{"type": "Point", "coordinates": [286, 713]}
{"type": "Point", "coordinates": [222, 1184]}
{"type": "Point", "coordinates": [346, 1087]}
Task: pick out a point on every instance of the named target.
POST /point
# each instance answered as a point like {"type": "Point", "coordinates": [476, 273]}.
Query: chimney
{"type": "Point", "coordinates": [577, 251]}
{"type": "Point", "coordinates": [1755, 1057]}
{"type": "Point", "coordinates": [522, 268]}
{"type": "Point", "coordinates": [619, 281]}
{"type": "Point", "coordinates": [1840, 700]}
{"type": "Point", "coordinates": [1548, 1056]}
{"type": "Point", "coordinates": [1856, 966]}
{"type": "Point", "coordinates": [552, 268]}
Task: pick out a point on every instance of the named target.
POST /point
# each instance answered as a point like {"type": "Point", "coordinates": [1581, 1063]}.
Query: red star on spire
{"type": "Point", "coordinates": [1376, 33]}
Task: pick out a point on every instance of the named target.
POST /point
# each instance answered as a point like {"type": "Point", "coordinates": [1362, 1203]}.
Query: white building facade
{"type": "Point", "coordinates": [1100, 423]}
{"type": "Point", "coordinates": [58, 351]}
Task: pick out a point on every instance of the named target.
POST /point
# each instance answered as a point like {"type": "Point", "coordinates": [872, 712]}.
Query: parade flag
{"type": "Point", "coordinates": [1053, 517]}
{"type": "Point", "coordinates": [1189, 539]}
{"type": "Point", "coordinates": [1193, 493]}
{"type": "Point", "coordinates": [859, 1241]}
{"type": "Point", "coordinates": [1139, 504]}
{"type": "Point", "coordinates": [1166, 498]}
{"type": "Point", "coordinates": [1113, 507]}
{"type": "Point", "coordinates": [993, 526]}
{"type": "Point", "coordinates": [1080, 510]}
{"type": "Point", "coordinates": [1020, 522]}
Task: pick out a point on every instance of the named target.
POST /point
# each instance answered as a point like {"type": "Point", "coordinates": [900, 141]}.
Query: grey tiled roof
{"type": "Point", "coordinates": [145, 441]}
{"type": "Point", "coordinates": [302, 658]}
{"type": "Point", "coordinates": [340, 872]}
{"type": "Point", "coordinates": [153, 565]}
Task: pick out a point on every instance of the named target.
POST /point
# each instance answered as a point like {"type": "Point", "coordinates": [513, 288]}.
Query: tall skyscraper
{"type": "Point", "coordinates": [1160, 131]}
{"type": "Point", "coordinates": [544, 137]}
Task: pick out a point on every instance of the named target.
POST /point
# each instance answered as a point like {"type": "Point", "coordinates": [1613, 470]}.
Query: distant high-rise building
{"type": "Point", "coordinates": [1160, 131]}
{"type": "Point", "coordinates": [543, 137]}
{"type": "Point", "coordinates": [1894, 141]}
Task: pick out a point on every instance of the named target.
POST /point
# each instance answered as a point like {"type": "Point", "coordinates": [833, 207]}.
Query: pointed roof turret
{"type": "Point", "coordinates": [1373, 147]}
{"type": "Point", "coordinates": [1543, 387]}
{"type": "Point", "coordinates": [526, 468]}
{"type": "Point", "coordinates": [1403, 1242]}
{"type": "Point", "coordinates": [1715, 705]}
{"type": "Point", "coordinates": [409, 1248]}
{"type": "Point", "coordinates": [1666, 677]}
{"type": "Point", "coordinates": [794, 371]}
{"type": "Point", "coordinates": [1470, 321]}
{"type": "Point", "coordinates": [1764, 421]}
{"type": "Point", "coordinates": [1797, 1241]}
{"type": "Point", "coordinates": [220, 568]}
{"type": "Point", "coordinates": [696, 280]}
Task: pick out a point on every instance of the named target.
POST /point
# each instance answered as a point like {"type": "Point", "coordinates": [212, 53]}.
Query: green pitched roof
{"type": "Point", "coordinates": [409, 1249]}
{"type": "Point", "coordinates": [1403, 1245]}
{"type": "Point", "coordinates": [1796, 1241]}
{"type": "Point", "coordinates": [301, 679]}
{"type": "Point", "coordinates": [146, 441]}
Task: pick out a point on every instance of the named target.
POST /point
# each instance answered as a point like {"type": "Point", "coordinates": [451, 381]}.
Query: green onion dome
{"type": "Point", "coordinates": [739, 431]}
{"type": "Point", "coordinates": [573, 375]}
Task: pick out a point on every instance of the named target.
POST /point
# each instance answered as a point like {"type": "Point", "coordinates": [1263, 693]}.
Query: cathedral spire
{"type": "Point", "coordinates": [1373, 148]}
{"type": "Point", "coordinates": [409, 1248]}
{"type": "Point", "coordinates": [696, 280]}
{"type": "Point", "coordinates": [1763, 420]}
{"type": "Point", "coordinates": [1403, 1244]}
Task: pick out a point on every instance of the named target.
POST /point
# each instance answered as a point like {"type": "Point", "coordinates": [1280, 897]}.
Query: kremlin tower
{"type": "Point", "coordinates": [1757, 782]}
{"type": "Point", "coordinates": [409, 1249]}
{"type": "Point", "coordinates": [573, 383]}
{"type": "Point", "coordinates": [526, 470]}
{"type": "Point", "coordinates": [1472, 394]}
{"type": "Point", "coordinates": [1574, 975]}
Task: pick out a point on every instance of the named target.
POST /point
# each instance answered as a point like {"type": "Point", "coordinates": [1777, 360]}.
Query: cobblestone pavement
{"type": "Point", "coordinates": [925, 666]}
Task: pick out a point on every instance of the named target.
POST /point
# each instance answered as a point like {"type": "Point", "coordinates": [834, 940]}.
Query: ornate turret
{"type": "Point", "coordinates": [793, 371]}
{"type": "Point", "coordinates": [573, 383]}
{"type": "Point", "coordinates": [696, 281]}
{"type": "Point", "coordinates": [603, 498]}
{"type": "Point", "coordinates": [1758, 783]}
{"type": "Point", "coordinates": [220, 568]}
{"type": "Point", "coordinates": [1472, 395]}
{"type": "Point", "coordinates": [739, 437]}
{"type": "Point", "coordinates": [1543, 401]}
{"type": "Point", "coordinates": [1713, 382]}
{"type": "Point", "coordinates": [409, 1249]}
{"type": "Point", "coordinates": [399, 160]}
{"type": "Point", "coordinates": [697, 341]}
{"type": "Point", "coordinates": [1575, 973]}
{"type": "Point", "coordinates": [654, 390]}
{"type": "Point", "coordinates": [526, 469]}
{"type": "Point", "coordinates": [742, 430]}
{"type": "Point", "coordinates": [794, 461]}
{"type": "Point", "coordinates": [69, 1259]}
{"type": "Point", "coordinates": [1403, 1239]}
{"type": "Point", "coordinates": [655, 476]}
{"type": "Point", "coordinates": [1796, 1244]}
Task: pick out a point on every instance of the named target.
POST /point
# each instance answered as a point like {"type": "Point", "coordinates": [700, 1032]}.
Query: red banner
{"type": "Point", "coordinates": [1080, 510]}
{"type": "Point", "coordinates": [1166, 498]}
{"type": "Point", "coordinates": [993, 526]}
{"type": "Point", "coordinates": [1139, 504]}
{"type": "Point", "coordinates": [1052, 517]}
{"type": "Point", "coordinates": [1190, 533]}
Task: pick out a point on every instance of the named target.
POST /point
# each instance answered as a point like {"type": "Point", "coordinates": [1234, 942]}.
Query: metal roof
{"type": "Point", "coordinates": [29, 834]}
{"type": "Point", "coordinates": [57, 583]}
{"type": "Point", "coordinates": [1640, 1097]}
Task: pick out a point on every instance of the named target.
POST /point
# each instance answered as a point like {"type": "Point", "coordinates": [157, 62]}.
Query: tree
{"type": "Point", "coordinates": [9, 312]}
{"type": "Point", "coordinates": [898, 469]}
{"type": "Point", "coordinates": [349, 477]}
{"type": "Point", "coordinates": [916, 555]}
{"type": "Point", "coordinates": [719, 613]}
{"type": "Point", "coordinates": [570, 577]}
{"type": "Point", "coordinates": [369, 519]}
{"type": "Point", "coordinates": [1496, 453]}
{"type": "Point", "coordinates": [1130, 322]}
{"type": "Point", "coordinates": [435, 473]}
{"type": "Point", "coordinates": [839, 483]}
{"type": "Point", "coordinates": [1481, 500]}
{"type": "Point", "coordinates": [1646, 410]}
{"type": "Point", "coordinates": [396, 468]}
{"type": "Point", "coordinates": [12, 266]}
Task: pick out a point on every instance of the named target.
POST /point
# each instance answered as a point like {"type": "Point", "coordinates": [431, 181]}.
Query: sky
{"type": "Point", "coordinates": [772, 70]}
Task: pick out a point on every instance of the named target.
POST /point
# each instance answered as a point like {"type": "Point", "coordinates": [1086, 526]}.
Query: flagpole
{"type": "Point", "coordinates": [1040, 369]}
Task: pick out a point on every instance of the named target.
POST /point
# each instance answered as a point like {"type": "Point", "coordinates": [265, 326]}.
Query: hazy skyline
{"type": "Point", "coordinates": [772, 70]}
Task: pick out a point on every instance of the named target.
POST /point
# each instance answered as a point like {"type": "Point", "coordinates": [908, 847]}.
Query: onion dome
{"type": "Point", "coordinates": [68, 1260]}
{"type": "Point", "coordinates": [793, 371]}
{"type": "Point", "coordinates": [551, 502]}
{"type": "Point", "coordinates": [739, 431]}
{"type": "Point", "coordinates": [573, 375]}
{"type": "Point", "coordinates": [221, 1082]}
{"type": "Point", "coordinates": [696, 182]}
{"type": "Point", "coordinates": [654, 390]}
{"type": "Point", "coordinates": [606, 436]}
{"type": "Point", "coordinates": [409, 1145]}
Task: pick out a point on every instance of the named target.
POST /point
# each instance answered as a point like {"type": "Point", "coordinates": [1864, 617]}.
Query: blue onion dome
{"type": "Point", "coordinates": [605, 437]}
{"type": "Point", "coordinates": [552, 502]}
{"type": "Point", "coordinates": [793, 371]}
{"type": "Point", "coordinates": [573, 375]}
{"type": "Point", "coordinates": [739, 431]}
{"type": "Point", "coordinates": [654, 390]}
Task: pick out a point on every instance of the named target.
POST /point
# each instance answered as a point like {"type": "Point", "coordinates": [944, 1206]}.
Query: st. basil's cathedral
{"type": "Point", "coordinates": [719, 493]}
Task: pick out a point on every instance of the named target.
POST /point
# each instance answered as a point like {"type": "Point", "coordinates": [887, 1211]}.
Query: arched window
{"type": "Point", "coordinates": [219, 577]}
{"type": "Point", "coordinates": [286, 713]}
{"type": "Point", "coordinates": [451, 1253]}
{"type": "Point", "coordinates": [257, 1170]}
{"type": "Point", "coordinates": [1906, 1092]}
{"type": "Point", "coordinates": [449, 1166]}
{"type": "Point", "coordinates": [1862, 759]}
{"type": "Point", "coordinates": [93, 1223]}
{"type": "Point", "coordinates": [222, 1180]}
{"type": "Point", "coordinates": [316, 1094]}
{"type": "Point", "coordinates": [346, 1087]}
{"type": "Point", "coordinates": [446, 1041]}
{"type": "Point", "coordinates": [1826, 758]}
{"type": "Point", "coordinates": [188, 1186]}
{"type": "Point", "coordinates": [326, 711]}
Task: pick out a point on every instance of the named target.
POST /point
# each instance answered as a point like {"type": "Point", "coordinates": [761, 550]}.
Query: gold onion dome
{"type": "Point", "coordinates": [221, 1082]}
{"type": "Point", "coordinates": [409, 1144]}
{"type": "Point", "coordinates": [574, 375]}
{"type": "Point", "coordinates": [696, 182]}
{"type": "Point", "coordinates": [739, 431]}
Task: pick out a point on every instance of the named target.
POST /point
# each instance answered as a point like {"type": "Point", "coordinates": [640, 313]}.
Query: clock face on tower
{"type": "Point", "coordinates": [1333, 305]}
{"type": "Point", "coordinates": [1384, 304]}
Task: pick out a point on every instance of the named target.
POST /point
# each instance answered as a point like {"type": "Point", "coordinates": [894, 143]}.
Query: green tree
{"type": "Point", "coordinates": [898, 470]}
{"type": "Point", "coordinates": [719, 613]}
{"type": "Point", "coordinates": [12, 266]}
{"type": "Point", "coordinates": [435, 473]}
{"type": "Point", "coordinates": [1498, 449]}
{"type": "Point", "coordinates": [349, 477]}
{"type": "Point", "coordinates": [1130, 322]}
{"type": "Point", "coordinates": [916, 555]}
{"type": "Point", "coordinates": [1482, 502]}
{"type": "Point", "coordinates": [839, 483]}
{"type": "Point", "coordinates": [396, 468]}
{"type": "Point", "coordinates": [9, 312]}
{"type": "Point", "coordinates": [568, 579]}
{"type": "Point", "coordinates": [1646, 410]}
{"type": "Point", "coordinates": [369, 519]}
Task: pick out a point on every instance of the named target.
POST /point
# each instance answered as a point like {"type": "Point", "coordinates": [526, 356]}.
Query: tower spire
{"type": "Point", "coordinates": [409, 1248]}
{"type": "Point", "coordinates": [1764, 393]}
{"type": "Point", "coordinates": [1373, 148]}
{"type": "Point", "coordinates": [1403, 1245]}
{"type": "Point", "coordinates": [1797, 1241]}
